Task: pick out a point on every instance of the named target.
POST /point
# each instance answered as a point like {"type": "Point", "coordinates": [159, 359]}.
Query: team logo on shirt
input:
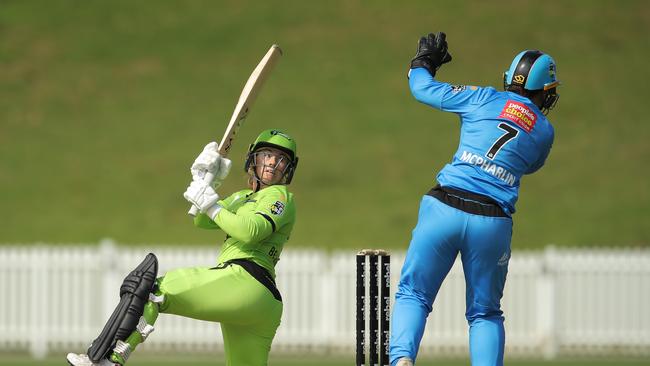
{"type": "Point", "coordinates": [277, 208]}
{"type": "Point", "coordinates": [520, 114]}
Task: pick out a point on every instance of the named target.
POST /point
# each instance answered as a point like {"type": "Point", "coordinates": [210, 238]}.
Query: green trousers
{"type": "Point", "coordinates": [247, 311]}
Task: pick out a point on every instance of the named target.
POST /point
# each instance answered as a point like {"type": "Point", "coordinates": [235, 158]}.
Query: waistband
{"type": "Point", "coordinates": [258, 272]}
{"type": "Point", "coordinates": [472, 203]}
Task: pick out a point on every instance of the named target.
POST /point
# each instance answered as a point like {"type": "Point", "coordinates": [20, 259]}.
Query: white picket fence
{"type": "Point", "coordinates": [557, 301]}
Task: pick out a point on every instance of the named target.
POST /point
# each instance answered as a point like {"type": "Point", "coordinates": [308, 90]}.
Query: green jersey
{"type": "Point", "coordinates": [257, 225]}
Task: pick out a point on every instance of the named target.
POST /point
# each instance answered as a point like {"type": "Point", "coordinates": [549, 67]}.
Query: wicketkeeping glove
{"type": "Point", "coordinates": [210, 161]}
{"type": "Point", "coordinates": [431, 53]}
{"type": "Point", "coordinates": [203, 196]}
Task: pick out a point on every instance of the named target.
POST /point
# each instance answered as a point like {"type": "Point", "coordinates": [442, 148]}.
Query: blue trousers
{"type": "Point", "coordinates": [484, 245]}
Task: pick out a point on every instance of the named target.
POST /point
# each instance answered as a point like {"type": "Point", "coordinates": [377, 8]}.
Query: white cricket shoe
{"type": "Point", "coordinates": [75, 359]}
{"type": "Point", "coordinates": [404, 362]}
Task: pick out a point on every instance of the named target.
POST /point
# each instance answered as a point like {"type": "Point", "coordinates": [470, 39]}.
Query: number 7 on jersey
{"type": "Point", "coordinates": [510, 134]}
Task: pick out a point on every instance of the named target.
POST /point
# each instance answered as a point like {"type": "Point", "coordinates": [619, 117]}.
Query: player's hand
{"type": "Point", "coordinates": [210, 161]}
{"type": "Point", "coordinates": [432, 52]}
{"type": "Point", "coordinates": [203, 197]}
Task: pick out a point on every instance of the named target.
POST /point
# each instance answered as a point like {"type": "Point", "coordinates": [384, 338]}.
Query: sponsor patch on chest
{"type": "Point", "coordinates": [520, 114]}
{"type": "Point", "coordinates": [277, 208]}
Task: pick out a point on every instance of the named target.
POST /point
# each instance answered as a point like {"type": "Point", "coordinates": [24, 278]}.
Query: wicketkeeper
{"type": "Point", "coordinates": [503, 136]}
{"type": "Point", "coordinates": [240, 291]}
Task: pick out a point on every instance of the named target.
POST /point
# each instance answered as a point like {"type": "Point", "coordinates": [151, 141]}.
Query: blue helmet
{"type": "Point", "coordinates": [534, 70]}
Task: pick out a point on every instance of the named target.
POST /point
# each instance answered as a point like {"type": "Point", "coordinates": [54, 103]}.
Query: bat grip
{"type": "Point", "coordinates": [208, 178]}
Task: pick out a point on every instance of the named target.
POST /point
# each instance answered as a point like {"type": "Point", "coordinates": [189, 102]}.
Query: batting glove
{"type": "Point", "coordinates": [210, 161]}
{"type": "Point", "coordinates": [203, 197]}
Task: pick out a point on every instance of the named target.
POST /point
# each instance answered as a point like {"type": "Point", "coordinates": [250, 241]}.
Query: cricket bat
{"type": "Point", "coordinates": [246, 100]}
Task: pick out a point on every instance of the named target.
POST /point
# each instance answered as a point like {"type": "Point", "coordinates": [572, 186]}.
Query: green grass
{"type": "Point", "coordinates": [103, 106]}
{"type": "Point", "coordinates": [320, 361]}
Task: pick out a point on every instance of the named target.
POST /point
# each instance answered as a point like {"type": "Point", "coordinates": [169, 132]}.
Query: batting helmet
{"type": "Point", "coordinates": [534, 70]}
{"type": "Point", "coordinates": [279, 140]}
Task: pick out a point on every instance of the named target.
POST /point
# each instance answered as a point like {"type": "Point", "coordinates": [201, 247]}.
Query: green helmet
{"type": "Point", "coordinates": [279, 140]}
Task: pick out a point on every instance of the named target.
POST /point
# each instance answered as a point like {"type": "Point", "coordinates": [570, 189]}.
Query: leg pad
{"type": "Point", "coordinates": [134, 294]}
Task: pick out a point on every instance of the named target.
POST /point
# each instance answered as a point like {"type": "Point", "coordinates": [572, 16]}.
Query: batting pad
{"type": "Point", "coordinates": [134, 294]}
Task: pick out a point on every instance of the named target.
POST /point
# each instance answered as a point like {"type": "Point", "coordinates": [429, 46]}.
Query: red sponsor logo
{"type": "Point", "coordinates": [520, 114]}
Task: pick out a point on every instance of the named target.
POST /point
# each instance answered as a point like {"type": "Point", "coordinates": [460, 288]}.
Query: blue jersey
{"type": "Point", "coordinates": [503, 136]}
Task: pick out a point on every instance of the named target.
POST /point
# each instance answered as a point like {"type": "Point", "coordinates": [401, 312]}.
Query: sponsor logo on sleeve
{"type": "Point", "coordinates": [520, 114]}
{"type": "Point", "coordinates": [457, 88]}
{"type": "Point", "coordinates": [277, 208]}
{"type": "Point", "coordinates": [503, 261]}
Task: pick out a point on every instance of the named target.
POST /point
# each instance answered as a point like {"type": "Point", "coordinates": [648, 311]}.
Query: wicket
{"type": "Point", "coordinates": [378, 337]}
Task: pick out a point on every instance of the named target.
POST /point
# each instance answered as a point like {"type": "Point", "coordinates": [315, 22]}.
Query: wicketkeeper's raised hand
{"type": "Point", "coordinates": [431, 53]}
{"type": "Point", "coordinates": [210, 161]}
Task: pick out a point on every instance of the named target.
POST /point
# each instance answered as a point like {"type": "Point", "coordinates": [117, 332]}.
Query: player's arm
{"type": "Point", "coordinates": [446, 97]}
{"type": "Point", "coordinates": [245, 227]}
{"type": "Point", "coordinates": [254, 226]}
{"type": "Point", "coordinates": [542, 159]}
{"type": "Point", "coordinates": [204, 221]}
{"type": "Point", "coordinates": [425, 89]}
{"type": "Point", "coordinates": [431, 54]}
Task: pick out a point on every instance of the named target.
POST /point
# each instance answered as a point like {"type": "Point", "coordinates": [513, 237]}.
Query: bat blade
{"type": "Point", "coordinates": [248, 96]}
{"type": "Point", "coordinates": [246, 99]}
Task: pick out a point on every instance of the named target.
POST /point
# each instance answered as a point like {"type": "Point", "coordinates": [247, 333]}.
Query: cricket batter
{"type": "Point", "coordinates": [503, 136]}
{"type": "Point", "coordinates": [240, 291]}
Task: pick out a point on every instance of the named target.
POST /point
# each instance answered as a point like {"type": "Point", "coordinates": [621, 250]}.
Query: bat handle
{"type": "Point", "coordinates": [208, 178]}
